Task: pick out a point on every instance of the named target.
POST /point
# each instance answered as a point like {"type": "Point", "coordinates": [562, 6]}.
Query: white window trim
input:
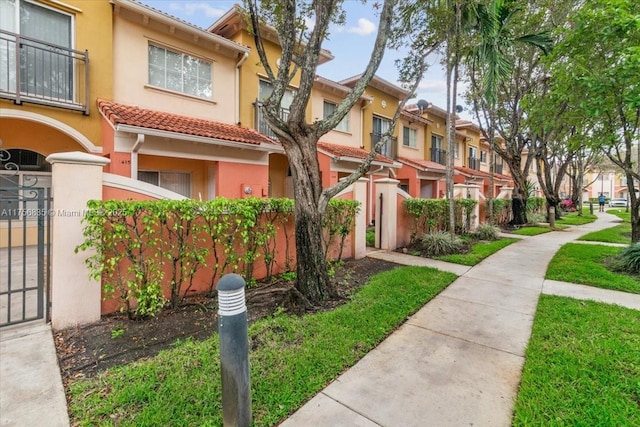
{"type": "Point", "coordinates": [346, 122]}
{"type": "Point", "coordinates": [413, 132]}
{"type": "Point", "coordinates": [183, 53]}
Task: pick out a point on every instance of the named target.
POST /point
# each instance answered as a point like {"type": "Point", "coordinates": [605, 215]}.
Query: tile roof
{"type": "Point", "coordinates": [481, 174]}
{"type": "Point", "coordinates": [422, 164]}
{"type": "Point", "coordinates": [353, 152]}
{"type": "Point", "coordinates": [120, 114]}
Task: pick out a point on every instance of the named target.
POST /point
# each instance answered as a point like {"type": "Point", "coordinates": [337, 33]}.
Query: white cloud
{"type": "Point", "coordinates": [194, 8]}
{"type": "Point", "coordinates": [364, 27]}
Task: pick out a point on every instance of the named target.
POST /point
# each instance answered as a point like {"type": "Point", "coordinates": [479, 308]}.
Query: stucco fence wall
{"type": "Point", "coordinates": [77, 178]}
{"type": "Point", "coordinates": [393, 223]}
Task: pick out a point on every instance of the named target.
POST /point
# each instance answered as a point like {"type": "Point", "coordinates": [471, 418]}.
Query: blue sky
{"type": "Point", "coordinates": [350, 44]}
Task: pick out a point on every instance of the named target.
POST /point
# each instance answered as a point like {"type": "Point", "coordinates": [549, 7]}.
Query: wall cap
{"type": "Point", "coordinates": [77, 158]}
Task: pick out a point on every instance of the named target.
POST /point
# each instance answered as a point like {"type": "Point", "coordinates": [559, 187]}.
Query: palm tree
{"type": "Point", "coordinates": [491, 58]}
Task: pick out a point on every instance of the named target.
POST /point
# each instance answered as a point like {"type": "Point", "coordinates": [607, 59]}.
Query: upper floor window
{"type": "Point", "coordinates": [456, 150]}
{"type": "Point", "coordinates": [328, 109]}
{"type": "Point", "coordinates": [483, 156]}
{"type": "Point", "coordinates": [380, 127]}
{"type": "Point", "coordinates": [179, 72]}
{"type": "Point", "coordinates": [473, 152]}
{"type": "Point", "coordinates": [436, 142]}
{"type": "Point", "coordinates": [409, 137]}
{"type": "Point", "coordinates": [45, 62]}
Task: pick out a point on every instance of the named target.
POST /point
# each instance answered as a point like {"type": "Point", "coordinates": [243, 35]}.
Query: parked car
{"type": "Point", "coordinates": [618, 203]}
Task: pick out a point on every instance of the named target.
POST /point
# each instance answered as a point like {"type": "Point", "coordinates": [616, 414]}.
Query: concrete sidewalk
{"type": "Point", "coordinates": [457, 361]}
{"type": "Point", "coordinates": [31, 392]}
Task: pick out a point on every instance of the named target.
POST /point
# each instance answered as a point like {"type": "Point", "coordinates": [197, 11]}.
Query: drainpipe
{"type": "Point", "coordinates": [237, 85]}
{"type": "Point", "coordinates": [134, 155]}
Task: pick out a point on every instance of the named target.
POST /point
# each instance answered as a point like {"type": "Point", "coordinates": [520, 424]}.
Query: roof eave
{"type": "Point", "coordinates": [271, 148]}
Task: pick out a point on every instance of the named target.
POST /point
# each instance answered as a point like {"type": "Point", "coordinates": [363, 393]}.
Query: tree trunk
{"type": "Point", "coordinates": [311, 267]}
{"type": "Point", "coordinates": [519, 207]}
{"type": "Point", "coordinates": [312, 277]}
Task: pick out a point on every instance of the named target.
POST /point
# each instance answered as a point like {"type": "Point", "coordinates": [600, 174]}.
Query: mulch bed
{"type": "Point", "coordinates": [116, 340]}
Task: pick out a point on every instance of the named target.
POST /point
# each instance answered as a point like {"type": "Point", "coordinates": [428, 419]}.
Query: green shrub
{"type": "Point", "coordinates": [487, 232]}
{"type": "Point", "coordinates": [630, 259]}
{"type": "Point", "coordinates": [440, 243]}
{"type": "Point", "coordinates": [371, 237]}
{"type": "Point", "coordinates": [535, 218]}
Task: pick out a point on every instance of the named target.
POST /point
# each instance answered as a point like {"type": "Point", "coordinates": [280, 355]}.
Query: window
{"type": "Point", "coordinates": [178, 182]}
{"type": "Point", "coordinates": [266, 89]}
{"type": "Point", "coordinates": [436, 142]}
{"type": "Point", "coordinates": [483, 156]}
{"type": "Point", "coordinates": [473, 152]}
{"type": "Point", "coordinates": [46, 66]}
{"type": "Point", "coordinates": [380, 127]}
{"type": "Point", "coordinates": [179, 72]}
{"type": "Point", "coordinates": [456, 150]}
{"type": "Point", "coordinates": [409, 138]}
{"type": "Point", "coordinates": [329, 108]}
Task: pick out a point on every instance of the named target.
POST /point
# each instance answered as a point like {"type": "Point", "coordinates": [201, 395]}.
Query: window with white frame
{"type": "Point", "coordinates": [328, 109]}
{"type": "Point", "coordinates": [179, 72]}
{"type": "Point", "coordinates": [178, 182]}
{"type": "Point", "coordinates": [409, 137]}
{"type": "Point", "coordinates": [483, 156]}
{"type": "Point", "coordinates": [46, 69]}
{"type": "Point", "coordinates": [456, 150]}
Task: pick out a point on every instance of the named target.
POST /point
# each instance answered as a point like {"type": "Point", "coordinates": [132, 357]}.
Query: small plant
{"type": "Point", "coordinates": [288, 276]}
{"type": "Point", "coordinates": [630, 259]}
{"type": "Point", "coordinates": [371, 237]}
{"type": "Point", "coordinates": [115, 333]}
{"type": "Point", "coordinates": [536, 218]}
{"type": "Point", "coordinates": [441, 243]}
{"type": "Point", "coordinates": [487, 232]}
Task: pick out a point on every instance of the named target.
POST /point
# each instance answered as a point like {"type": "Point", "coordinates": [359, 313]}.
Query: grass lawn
{"type": "Point", "coordinates": [292, 358]}
{"type": "Point", "coordinates": [582, 366]}
{"type": "Point", "coordinates": [618, 234]}
{"type": "Point", "coordinates": [585, 264]}
{"type": "Point", "coordinates": [621, 213]}
{"type": "Point", "coordinates": [533, 230]}
{"type": "Point", "coordinates": [573, 218]}
{"type": "Point", "coordinates": [479, 251]}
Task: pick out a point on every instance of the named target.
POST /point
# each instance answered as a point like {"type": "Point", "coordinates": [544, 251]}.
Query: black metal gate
{"type": "Point", "coordinates": [25, 219]}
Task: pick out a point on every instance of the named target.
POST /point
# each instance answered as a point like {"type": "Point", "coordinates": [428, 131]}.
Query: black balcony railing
{"type": "Point", "coordinates": [497, 168]}
{"type": "Point", "coordinates": [42, 73]}
{"type": "Point", "coordinates": [261, 123]}
{"type": "Point", "coordinates": [389, 149]}
{"type": "Point", "coordinates": [474, 163]}
{"type": "Point", "coordinates": [439, 156]}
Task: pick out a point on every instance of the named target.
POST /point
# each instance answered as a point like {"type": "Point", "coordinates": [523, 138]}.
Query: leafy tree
{"type": "Point", "coordinates": [301, 46]}
{"type": "Point", "coordinates": [596, 69]}
{"type": "Point", "coordinates": [491, 63]}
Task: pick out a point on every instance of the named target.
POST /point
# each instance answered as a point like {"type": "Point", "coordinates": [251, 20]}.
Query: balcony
{"type": "Point", "coordinates": [42, 73]}
{"type": "Point", "coordinates": [439, 156]}
{"type": "Point", "coordinates": [261, 123]}
{"type": "Point", "coordinates": [390, 149]}
{"type": "Point", "coordinates": [474, 163]}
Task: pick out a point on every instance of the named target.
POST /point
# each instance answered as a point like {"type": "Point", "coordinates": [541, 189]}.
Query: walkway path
{"type": "Point", "coordinates": [457, 361]}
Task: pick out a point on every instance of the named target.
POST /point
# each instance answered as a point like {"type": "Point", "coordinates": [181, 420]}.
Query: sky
{"type": "Point", "coordinates": [350, 44]}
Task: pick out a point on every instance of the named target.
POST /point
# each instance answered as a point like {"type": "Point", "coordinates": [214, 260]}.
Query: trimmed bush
{"type": "Point", "coordinates": [440, 243]}
{"type": "Point", "coordinates": [487, 232]}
